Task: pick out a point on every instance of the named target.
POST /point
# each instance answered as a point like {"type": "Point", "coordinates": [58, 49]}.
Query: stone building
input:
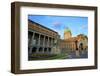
{"type": "Point", "coordinates": [69, 43]}
{"type": "Point", "coordinates": [42, 39]}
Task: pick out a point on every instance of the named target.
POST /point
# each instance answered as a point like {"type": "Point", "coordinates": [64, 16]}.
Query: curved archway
{"type": "Point", "coordinates": [81, 46]}
{"type": "Point", "coordinates": [34, 50]}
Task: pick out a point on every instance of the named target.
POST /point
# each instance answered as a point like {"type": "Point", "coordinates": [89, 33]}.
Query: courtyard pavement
{"type": "Point", "coordinates": [81, 54]}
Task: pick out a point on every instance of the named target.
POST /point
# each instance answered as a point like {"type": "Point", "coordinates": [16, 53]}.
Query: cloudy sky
{"type": "Point", "coordinates": [77, 25]}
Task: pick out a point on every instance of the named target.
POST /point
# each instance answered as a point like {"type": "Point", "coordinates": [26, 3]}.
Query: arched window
{"type": "Point", "coordinates": [34, 50]}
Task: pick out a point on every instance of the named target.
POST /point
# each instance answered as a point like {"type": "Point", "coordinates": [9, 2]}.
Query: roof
{"type": "Point", "coordinates": [41, 25]}
{"type": "Point", "coordinates": [67, 30]}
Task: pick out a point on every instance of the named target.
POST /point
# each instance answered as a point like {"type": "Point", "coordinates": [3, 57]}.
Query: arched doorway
{"type": "Point", "coordinates": [40, 49]}
{"type": "Point", "coordinates": [34, 50]}
{"type": "Point", "coordinates": [81, 46]}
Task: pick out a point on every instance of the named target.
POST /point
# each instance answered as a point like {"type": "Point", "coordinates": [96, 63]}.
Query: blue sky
{"type": "Point", "coordinates": [77, 25]}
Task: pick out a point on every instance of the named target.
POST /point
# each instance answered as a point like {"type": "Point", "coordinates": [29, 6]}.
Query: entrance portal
{"type": "Point", "coordinates": [81, 46]}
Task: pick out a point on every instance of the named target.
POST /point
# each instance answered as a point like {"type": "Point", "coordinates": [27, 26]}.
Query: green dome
{"type": "Point", "coordinates": [67, 30]}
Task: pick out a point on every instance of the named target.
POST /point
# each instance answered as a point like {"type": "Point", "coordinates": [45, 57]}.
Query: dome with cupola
{"type": "Point", "coordinates": [67, 33]}
{"type": "Point", "coordinates": [67, 30]}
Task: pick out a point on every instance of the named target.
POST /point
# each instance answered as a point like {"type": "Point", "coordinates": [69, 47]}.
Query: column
{"type": "Point", "coordinates": [47, 44]}
{"type": "Point", "coordinates": [31, 43]}
{"type": "Point", "coordinates": [37, 50]}
{"type": "Point", "coordinates": [52, 42]}
{"type": "Point", "coordinates": [39, 40]}
{"type": "Point", "coordinates": [38, 44]}
{"type": "Point", "coordinates": [43, 43]}
{"type": "Point", "coordinates": [52, 45]}
{"type": "Point", "coordinates": [48, 41]}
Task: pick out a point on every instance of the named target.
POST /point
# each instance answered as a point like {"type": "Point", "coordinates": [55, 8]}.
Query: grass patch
{"type": "Point", "coordinates": [48, 57]}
